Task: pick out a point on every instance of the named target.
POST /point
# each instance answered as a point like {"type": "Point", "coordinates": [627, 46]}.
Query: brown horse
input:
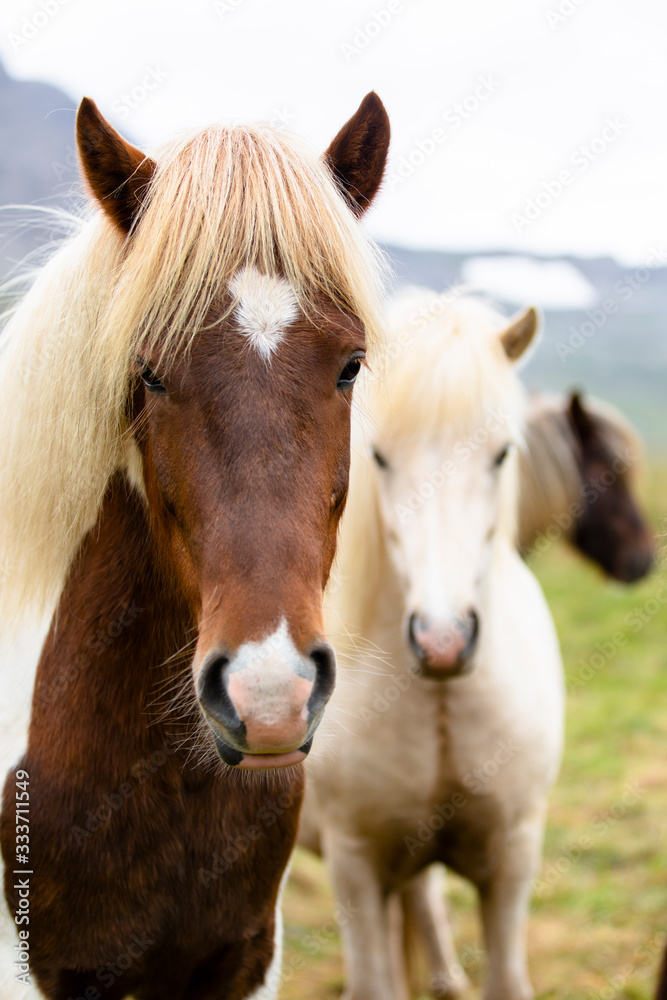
{"type": "Point", "coordinates": [578, 475]}
{"type": "Point", "coordinates": [174, 465]}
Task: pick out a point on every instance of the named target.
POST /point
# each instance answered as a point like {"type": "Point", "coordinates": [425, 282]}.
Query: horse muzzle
{"type": "Point", "coordinates": [444, 651]}
{"type": "Point", "coordinates": [635, 561]}
{"type": "Point", "coordinates": [264, 702]}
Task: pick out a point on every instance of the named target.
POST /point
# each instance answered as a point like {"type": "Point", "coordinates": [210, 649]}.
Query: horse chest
{"type": "Point", "coordinates": [176, 883]}
{"type": "Point", "coordinates": [388, 766]}
{"type": "Point", "coordinates": [441, 771]}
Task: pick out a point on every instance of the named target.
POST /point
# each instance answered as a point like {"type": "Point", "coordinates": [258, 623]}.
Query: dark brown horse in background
{"type": "Point", "coordinates": [187, 646]}
{"type": "Point", "coordinates": [578, 473]}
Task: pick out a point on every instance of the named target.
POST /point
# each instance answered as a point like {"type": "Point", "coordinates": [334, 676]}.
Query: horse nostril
{"type": "Point", "coordinates": [473, 631]}
{"type": "Point", "coordinates": [212, 692]}
{"type": "Point", "coordinates": [210, 683]}
{"type": "Point", "coordinates": [415, 624]}
{"type": "Point", "coordinates": [324, 659]}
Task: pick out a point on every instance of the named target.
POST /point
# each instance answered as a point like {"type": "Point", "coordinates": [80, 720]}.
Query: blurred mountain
{"type": "Point", "coordinates": [37, 163]}
{"type": "Point", "coordinates": [605, 325]}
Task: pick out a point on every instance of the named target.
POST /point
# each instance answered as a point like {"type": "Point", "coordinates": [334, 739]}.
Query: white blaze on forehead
{"type": "Point", "coordinates": [266, 307]}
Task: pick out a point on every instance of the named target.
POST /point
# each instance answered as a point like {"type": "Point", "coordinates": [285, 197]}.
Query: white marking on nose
{"type": "Point", "coordinates": [268, 671]}
{"type": "Point", "coordinates": [266, 307]}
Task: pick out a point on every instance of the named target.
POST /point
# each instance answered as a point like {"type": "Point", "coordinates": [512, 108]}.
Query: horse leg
{"type": "Point", "coordinates": [504, 900]}
{"type": "Point", "coordinates": [397, 954]}
{"type": "Point", "coordinates": [365, 924]}
{"type": "Point", "coordinates": [427, 923]}
{"type": "Point", "coordinates": [662, 985]}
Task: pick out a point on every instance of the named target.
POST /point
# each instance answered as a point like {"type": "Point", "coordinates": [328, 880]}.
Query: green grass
{"type": "Point", "coordinates": [600, 914]}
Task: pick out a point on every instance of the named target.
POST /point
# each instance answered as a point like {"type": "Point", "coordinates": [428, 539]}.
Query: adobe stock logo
{"type": "Point", "coordinates": [365, 33]}
{"type": "Point", "coordinates": [129, 100]}
{"type": "Point", "coordinates": [579, 161]}
{"type": "Point", "coordinates": [33, 24]}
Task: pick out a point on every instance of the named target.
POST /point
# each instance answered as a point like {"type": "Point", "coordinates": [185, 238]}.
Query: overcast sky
{"type": "Point", "coordinates": [527, 124]}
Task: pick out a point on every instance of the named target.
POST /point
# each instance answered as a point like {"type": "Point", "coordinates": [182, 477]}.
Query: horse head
{"type": "Point", "coordinates": [611, 528]}
{"type": "Point", "coordinates": [240, 436]}
{"type": "Point", "coordinates": [444, 479]}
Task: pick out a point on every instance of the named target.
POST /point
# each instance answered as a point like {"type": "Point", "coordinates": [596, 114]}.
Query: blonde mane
{"type": "Point", "coordinates": [549, 475]}
{"type": "Point", "coordinates": [222, 199]}
{"type": "Point", "coordinates": [443, 366]}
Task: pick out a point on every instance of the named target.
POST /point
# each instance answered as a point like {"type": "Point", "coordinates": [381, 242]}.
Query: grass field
{"type": "Point", "coordinates": [599, 915]}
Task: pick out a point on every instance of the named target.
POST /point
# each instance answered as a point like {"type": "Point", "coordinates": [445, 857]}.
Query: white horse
{"type": "Point", "coordinates": [445, 733]}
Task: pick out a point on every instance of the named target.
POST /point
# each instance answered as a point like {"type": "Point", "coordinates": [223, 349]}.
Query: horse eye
{"type": "Point", "coordinates": [500, 458]}
{"type": "Point", "coordinates": [151, 381]}
{"type": "Point", "coordinates": [379, 459]}
{"type": "Point", "coordinates": [348, 376]}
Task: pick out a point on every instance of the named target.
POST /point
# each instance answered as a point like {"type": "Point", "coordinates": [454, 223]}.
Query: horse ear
{"type": "Point", "coordinates": [582, 422]}
{"type": "Point", "coordinates": [358, 154]}
{"type": "Point", "coordinates": [518, 336]}
{"type": "Point", "coordinates": [117, 173]}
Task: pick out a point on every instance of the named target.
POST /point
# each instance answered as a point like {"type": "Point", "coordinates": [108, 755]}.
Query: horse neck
{"type": "Point", "coordinates": [103, 664]}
